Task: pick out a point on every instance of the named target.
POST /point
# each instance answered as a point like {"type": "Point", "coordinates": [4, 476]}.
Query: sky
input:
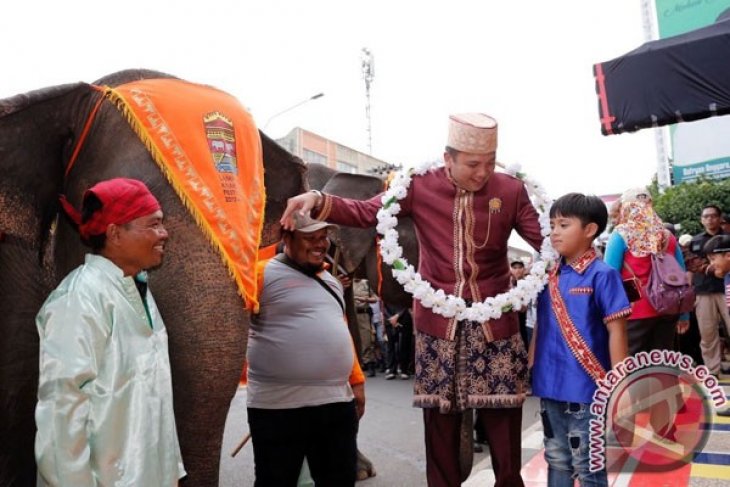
{"type": "Point", "coordinates": [528, 64]}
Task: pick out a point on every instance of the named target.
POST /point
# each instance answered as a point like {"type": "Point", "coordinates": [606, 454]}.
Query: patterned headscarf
{"type": "Point", "coordinates": [641, 228]}
{"type": "Point", "coordinates": [123, 200]}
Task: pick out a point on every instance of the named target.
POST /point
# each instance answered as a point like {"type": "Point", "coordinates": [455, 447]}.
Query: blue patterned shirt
{"type": "Point", "coordinates": [594, 295]}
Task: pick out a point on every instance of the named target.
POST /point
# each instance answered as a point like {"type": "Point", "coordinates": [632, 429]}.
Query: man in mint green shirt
{"type": "Point", "coordinates": [104, 413]}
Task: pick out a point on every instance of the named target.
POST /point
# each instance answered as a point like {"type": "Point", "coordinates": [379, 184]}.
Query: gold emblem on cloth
{"type": "Point", "coordinates": [221, 142]}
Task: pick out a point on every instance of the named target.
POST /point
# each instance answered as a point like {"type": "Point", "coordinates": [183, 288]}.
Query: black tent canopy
{"type": "Point", "coordinates": [677, 79]}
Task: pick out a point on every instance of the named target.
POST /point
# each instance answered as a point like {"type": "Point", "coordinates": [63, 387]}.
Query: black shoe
{"type": "Point", "coordinates": [389, 376]}
{"type": "Point", "coordinates": [478, 448]}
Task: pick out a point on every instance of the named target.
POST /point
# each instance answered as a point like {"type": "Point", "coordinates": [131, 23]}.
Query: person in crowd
{"type": "Point", "coordinates": [718, 251]}
{"type": "Point", "coordinates": [400, 326]}
{"type": "Point", "coordinates": [710, 305]}
{"type": "Point", "coordinates": [376, 311]}
{"type": "Point", "coordinates": [105, 413]}
{"type": "Point", "coordinates": [305, 386]}
{"type": "Point", "coordinates": [725, 223]}
{"type": "Point", "coordinates": [638, 234]}
{"type": "Point", "coordinates": [517, 271]}
{"type": "Point", "coordinates": [464, 214]}
{"type": "Point", "coordinates": [580, 334]}
{"type": "Point", "coordinates": [363, 297]}
{"type": "Point", "coordinates": [689, 342]}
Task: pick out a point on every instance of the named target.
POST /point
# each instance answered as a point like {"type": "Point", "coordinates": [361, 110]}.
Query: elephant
{"type": "Point", "coordinates": [357, 246]}
{"type": "Point", "coordinates": [205, 316]}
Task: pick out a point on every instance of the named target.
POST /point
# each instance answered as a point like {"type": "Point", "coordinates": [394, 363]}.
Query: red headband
{"type": "Point", "coordinates": [123, 200]}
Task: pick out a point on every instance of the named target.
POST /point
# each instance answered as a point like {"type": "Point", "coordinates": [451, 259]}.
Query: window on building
{"type": "Point", "coordinates": [343, 166]}
{"type": "Point", "coordinates": [314, 157]}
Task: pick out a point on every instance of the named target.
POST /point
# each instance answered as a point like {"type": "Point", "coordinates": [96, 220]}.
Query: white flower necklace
{"type": "Point", "coordinates": [449, 305]}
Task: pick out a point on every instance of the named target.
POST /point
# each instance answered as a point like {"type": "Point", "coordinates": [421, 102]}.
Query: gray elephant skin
{"type": "Point", "coordinates": [204, 314]}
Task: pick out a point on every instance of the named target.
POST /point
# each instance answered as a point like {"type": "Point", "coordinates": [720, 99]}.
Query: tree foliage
{"type": "Point", "coordinates": [683, 203]}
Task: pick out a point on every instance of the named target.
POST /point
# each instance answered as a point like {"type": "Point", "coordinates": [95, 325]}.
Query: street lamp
{"type": "Point", "coordinates": [313, 97]}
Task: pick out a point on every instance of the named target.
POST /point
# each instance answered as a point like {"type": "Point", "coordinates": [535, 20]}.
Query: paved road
{"type": "Point", "coordinates": [391, 435]}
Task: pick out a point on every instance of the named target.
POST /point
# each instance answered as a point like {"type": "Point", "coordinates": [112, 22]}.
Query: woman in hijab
{"type": "Point", "coordinates": [638, 234]}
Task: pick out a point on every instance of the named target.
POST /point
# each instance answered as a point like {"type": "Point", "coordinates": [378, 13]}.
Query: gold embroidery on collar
{"type": "Point", "coordinates": [581, 263]}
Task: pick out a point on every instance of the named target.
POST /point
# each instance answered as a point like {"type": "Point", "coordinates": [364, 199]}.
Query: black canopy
{"type": "Point", "coordinates": [677, 79]}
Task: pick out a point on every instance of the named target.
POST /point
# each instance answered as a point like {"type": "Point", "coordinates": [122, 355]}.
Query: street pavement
{"type": "Point", "coordinates": [391, 436]}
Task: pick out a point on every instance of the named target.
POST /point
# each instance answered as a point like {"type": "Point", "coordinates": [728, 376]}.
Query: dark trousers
{"type": "Point", "coordinates": [325, 435]}
{"type": "Point", "coordinates": [647, 334]}
{"type": "Point", "coordinates": [400, 348]}
{"type": "Point", "coordinates": [501, 427]}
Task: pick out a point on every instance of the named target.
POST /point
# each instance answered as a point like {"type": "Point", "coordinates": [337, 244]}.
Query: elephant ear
{"type": "Point", "coordinates": [284, 177]}
{"type": "Point", "coordinates": [37, 133]}
{"type": "Point", "coordinates": [36, 136]}
{"type": "Point", "coordinates": [354, 243]}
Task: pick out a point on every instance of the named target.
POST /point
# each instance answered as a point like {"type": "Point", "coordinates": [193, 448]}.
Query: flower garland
{"type": "Point", "coordinates": [449, 305]}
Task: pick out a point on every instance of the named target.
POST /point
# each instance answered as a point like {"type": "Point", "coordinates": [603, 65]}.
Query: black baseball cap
{"type": "Point", "coordinates": [718, 244]}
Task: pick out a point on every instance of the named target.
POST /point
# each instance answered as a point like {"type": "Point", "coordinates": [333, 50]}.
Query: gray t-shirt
{"type": "Point", "coordinates": [299, 351]}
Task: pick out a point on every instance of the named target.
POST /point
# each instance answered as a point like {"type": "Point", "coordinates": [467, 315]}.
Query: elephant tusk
{"type": "Point", "coordinates": [241, 445]}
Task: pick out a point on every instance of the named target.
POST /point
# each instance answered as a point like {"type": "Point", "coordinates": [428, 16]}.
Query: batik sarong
{"type": "Point", "coordinates": [468, 372]}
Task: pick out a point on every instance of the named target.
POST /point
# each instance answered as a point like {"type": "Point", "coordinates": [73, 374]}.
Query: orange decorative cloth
{"type": "Point", "coordinates": [209, 148]}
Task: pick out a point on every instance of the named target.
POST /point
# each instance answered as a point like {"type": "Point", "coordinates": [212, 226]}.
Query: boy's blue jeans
{"type": "Point", "coordinates": [567, 429]}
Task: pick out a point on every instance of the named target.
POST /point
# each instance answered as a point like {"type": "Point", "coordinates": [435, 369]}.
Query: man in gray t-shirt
{"type": "Point", "coordinates": [305, 387]}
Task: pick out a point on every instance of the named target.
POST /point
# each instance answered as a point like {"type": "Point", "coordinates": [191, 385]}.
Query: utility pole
{"type": "Point", "coordinates": [367, 65]}
{"type": "Point", "coordinates": [661, 134]}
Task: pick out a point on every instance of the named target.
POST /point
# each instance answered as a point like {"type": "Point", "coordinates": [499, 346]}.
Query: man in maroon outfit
{"type": "Point", "coordinates": [464, 214]}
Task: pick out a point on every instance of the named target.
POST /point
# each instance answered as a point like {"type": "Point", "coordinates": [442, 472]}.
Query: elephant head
{"type": "Point", "coordinates": [357, 245]}
{"type": "Point", "coordinates": [204, 313]}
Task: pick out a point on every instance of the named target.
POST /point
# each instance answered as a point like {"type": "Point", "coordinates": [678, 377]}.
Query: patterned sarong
{"type": "Point", "coordinates": [469, 373]}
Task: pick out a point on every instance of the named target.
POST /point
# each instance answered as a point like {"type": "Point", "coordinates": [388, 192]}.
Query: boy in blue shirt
{"type": "Point", "coordinates": [580, 333]}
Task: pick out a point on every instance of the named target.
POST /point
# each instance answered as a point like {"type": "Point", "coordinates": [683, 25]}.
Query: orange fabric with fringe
{"type": "Point", "coordinates": [209, 148]}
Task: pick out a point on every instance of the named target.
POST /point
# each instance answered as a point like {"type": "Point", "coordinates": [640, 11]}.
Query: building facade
{"type": "Point", "coordinates": [313, 148]}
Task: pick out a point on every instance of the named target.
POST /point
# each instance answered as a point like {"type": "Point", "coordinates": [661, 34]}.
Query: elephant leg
{"type": "Point", "coordinates": [208, 331]}
{"type": "Point", "coordinates": [22, 291]}
{"type": "Point", "coordinates": [365, 468]}
{"type": "Point", "coordinates": [466, 443]}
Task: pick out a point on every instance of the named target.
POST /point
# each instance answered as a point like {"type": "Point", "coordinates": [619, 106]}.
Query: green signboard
{"type": "Point", "coordinates": [698, 148]}
{"type": "Point", "coordinates": [679, 16]}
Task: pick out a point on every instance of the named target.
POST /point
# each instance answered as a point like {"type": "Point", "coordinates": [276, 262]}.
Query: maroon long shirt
{"type": "Point", "coordinates": [462, 239]}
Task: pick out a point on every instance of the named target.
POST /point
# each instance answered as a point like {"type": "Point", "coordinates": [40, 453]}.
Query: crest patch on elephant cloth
{"type": "Point", "coordinates": [208, 147]}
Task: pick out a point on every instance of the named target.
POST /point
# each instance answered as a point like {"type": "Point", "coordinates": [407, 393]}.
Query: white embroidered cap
{"type": "Point", "coordinates": [472, 132]}
{"type": "Point", "coordinates": [635, 194]}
